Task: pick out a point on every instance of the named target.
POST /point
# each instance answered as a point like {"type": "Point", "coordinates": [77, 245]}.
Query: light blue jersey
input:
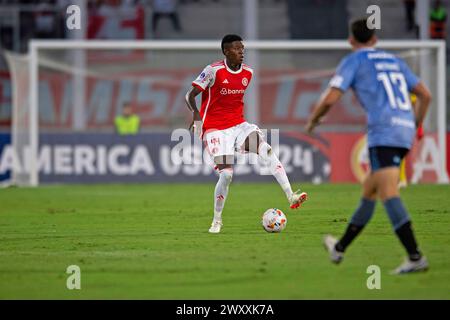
{"type": "Point", "coordinates": [382, 83]}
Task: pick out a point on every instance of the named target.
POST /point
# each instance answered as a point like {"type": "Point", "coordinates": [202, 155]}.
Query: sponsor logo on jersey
{"type": "Point", "coordinates": [225, 91]}
{"type": "Point", "coordinates": [396, 121]}
{"type": "Point", "coordinates": [245, 81]}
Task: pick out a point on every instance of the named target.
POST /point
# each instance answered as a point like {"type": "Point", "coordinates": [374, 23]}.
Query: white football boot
{"type": "Point", "coordinates": [297, 198]}
{"type": "Point", "coordinates": [215, 226]}
{"type": "Point", "coordinates": [409, 266]}
{"type": "Point", "coordinates": [330, 243]}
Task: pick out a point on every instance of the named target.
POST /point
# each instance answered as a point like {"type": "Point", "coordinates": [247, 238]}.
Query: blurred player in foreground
{"type": "Point", "coordinates": [222, 126]}
{"type": "Point", "coordinates": [382, 83]}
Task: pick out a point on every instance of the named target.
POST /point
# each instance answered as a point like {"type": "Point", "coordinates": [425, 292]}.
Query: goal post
{"type": "Point", "coordinates": [434, 49]}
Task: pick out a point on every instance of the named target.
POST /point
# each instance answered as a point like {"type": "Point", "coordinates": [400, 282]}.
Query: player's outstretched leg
{"type": "Point", "coordinates": [266, 153]}
{"type": "Point", "coordinates": [220, 195]}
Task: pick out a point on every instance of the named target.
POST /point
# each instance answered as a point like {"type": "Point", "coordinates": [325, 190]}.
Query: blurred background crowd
{"type": "Point", "coordinates": [207, 19]}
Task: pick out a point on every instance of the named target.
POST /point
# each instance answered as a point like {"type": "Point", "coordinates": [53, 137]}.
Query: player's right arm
{"type": "Point", "coordinates": [196, 124]}
{"type": "Point", "coordinates": [203, 81]}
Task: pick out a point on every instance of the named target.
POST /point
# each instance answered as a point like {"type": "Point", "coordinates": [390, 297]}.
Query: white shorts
{"type": "Point", "coordinates": [228, 141]}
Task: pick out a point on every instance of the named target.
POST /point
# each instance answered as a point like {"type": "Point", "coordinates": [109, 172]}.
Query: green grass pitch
{"type": "Point", "coordinates": [152, 242]}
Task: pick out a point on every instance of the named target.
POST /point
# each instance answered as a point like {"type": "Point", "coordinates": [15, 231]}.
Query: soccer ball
{"type": "Point", "coordinates": [274, 220]}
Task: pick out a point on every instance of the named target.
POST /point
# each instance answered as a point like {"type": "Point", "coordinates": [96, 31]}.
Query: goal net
{"type": "Point", "coordinates": [66, 95]}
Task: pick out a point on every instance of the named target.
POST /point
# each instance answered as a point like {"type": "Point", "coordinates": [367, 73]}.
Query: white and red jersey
{"type": "Point", "coordinates": [223, 95]}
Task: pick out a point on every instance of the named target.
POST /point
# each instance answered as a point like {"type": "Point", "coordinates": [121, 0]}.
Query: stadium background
{"type": "Point", "coordinates": [338, 156]}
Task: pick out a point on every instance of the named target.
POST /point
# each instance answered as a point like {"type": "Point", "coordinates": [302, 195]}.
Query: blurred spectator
{"type": "Point", "coordinates": [410, 6]}
{"type": "Point", "coordinates": [46, 20]}
{"type": "Point", "coordinates": [438, 17]}
{"type": "Point", "coordinates": [165, 8]}
{"type": "Point", "coordinates": [127, 123]}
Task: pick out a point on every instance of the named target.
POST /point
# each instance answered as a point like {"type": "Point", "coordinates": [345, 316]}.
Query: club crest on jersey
{"type": "Point", "coordinates": [245, 81]}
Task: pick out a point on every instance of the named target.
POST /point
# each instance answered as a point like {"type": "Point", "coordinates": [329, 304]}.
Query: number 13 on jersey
{"type": "Point", "coordinates": [391, 79]}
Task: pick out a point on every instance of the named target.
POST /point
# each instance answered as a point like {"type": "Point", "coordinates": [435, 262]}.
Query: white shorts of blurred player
{"type": "Point", "coordinates": [228, 141]}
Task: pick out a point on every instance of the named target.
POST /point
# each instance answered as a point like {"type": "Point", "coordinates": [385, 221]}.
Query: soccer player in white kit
{"type": "Point", "coordinates": [221, 123]}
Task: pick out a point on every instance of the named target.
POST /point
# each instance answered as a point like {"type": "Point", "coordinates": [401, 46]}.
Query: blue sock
{"type": "Point", "coordinates": [396, 212]}
{"type": "Point", "coordinates": [363, 213]}
{"type": "Point", "coordinates": [402, 225]}
{"type": "Point", "coordinates": [359, 219]}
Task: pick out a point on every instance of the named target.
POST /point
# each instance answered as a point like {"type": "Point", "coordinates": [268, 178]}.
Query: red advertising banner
{"type": "Point", "coordinates": [348, 157]}
{"type": "Point", "coordinates": [158, 97]}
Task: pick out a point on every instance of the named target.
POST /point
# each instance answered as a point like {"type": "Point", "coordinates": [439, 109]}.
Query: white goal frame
{"type": "Point", "coordinates": [36, 45]}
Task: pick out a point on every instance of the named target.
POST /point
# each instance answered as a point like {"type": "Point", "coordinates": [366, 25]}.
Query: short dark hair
{"type": "Point", "coordinates": [360, 31]}
{"type": "Point", "coordinates": [229, 38]}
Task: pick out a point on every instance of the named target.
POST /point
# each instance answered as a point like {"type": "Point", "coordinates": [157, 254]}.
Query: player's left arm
{"type": "Point", "coordinates": [421, 106]}
{"type": "Point", "coordinates": [329, 97]}
{"type": "Point", "coordinates": [196, 124]}
{"type": "Point", "coordinates": [198, 86]}
{"type": "Point", "coordinates": [416, 86]}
